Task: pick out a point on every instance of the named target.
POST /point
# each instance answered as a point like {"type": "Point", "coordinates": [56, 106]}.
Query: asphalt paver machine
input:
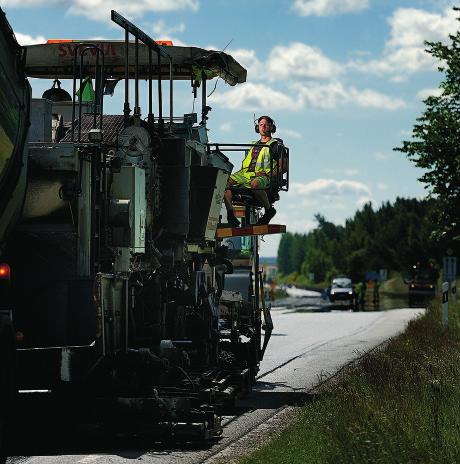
{"type": "Point", "coordinates": [116, 266]}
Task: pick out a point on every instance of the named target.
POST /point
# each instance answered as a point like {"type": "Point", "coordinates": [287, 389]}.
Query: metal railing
{"type": "Point", "coordinates": [153, 47]}
{"type": "Point", "coordinates": [99, 75]}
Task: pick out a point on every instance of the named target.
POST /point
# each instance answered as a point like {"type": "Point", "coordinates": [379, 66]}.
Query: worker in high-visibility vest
{"type": "Point", "coordinates": [255, 172]}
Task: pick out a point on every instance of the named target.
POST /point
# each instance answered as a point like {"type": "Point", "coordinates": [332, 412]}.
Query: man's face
{"type": "Point", "coordinates": [264, 127]}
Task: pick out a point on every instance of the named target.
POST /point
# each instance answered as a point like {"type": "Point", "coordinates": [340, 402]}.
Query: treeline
{"type": "Point", "coordinates": [393, 237]}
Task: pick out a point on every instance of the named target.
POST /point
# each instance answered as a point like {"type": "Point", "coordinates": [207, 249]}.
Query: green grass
{"type": "Point", "coordinates": [399, 404]}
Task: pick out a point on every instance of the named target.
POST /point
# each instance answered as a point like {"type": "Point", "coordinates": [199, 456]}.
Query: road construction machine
{"type": "Point", "coordinates": [116, 261]}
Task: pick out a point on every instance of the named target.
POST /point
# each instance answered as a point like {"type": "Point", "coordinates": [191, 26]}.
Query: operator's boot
{"type": "Point", "coordinates": [267, 217]}
{"type": "Point", "coordinates": [232, 220]}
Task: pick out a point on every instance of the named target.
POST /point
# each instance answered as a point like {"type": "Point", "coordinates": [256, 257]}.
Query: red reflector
{"type": "Point", "coordinates": [5, 271]}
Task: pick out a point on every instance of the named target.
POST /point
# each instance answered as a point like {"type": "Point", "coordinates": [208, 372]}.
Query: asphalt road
{"type": "Point", "coordinates": [306, 347]}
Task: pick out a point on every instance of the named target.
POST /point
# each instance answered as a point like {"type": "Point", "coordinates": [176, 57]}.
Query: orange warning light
{"type": "Point", "coordinates": [57, 41]}
{"type": "Point", "coordinates": [5, 271]}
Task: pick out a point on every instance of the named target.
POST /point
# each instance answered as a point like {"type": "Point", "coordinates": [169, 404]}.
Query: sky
{"type": "Point", "coordinates": [343, 79]}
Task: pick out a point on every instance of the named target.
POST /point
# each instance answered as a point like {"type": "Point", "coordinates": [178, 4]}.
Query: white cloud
{"type": "Point", "coordinates": [25, 39]}
{"type": "Point", "coordinates": [425, 93]}
{"type": "Point", "coordinates": [255, 97]}
{"type": "Point", "coordinates": [382, 186]}
{"type": "Point", "coordinates": [99, 10]}
{"type": "Point", "coordinates": [396, 61]}
{"type": "Point", "coordinates": [361, 201]}
{"type": "Point", "coordinates": [362, 53]}
{"type": "Point", "coordinates": [329, 7]}
{"type": "Point", "coordinates": [295, 223]}
{"type": "Point", "coordinates": [404, 51]}
{"type": "Point", "coordinates": [347, 172]}
{"type": "Point", "coordinates": [381, 156]}
{"type": "Point", "coordinates": [299, 60]}
{"type": "Point", "coordinates": [128, 9]}
{"type": "Point", "coordinates": [289, 133]}
{"type": "Point", "coordinates": [371, 99]}
{"type": "Point", "coordinates": [399, 79]}
{"type": "Point", "coordinates": [306, 66]}
{"type": "Point", "coordinates": [323, 96]}
{"type": "Point", "coordinates": [29, 3]}
{"type": "Point", "coordinates": [351, 172]}
{"type": "Point", "coordinates": [163, 31]}
{"type": "Point", "coordinates": [410, 27]}
{"type": "Point", "coordinates": [269, 245]}
{"type": "Point", "coordinates": [260, 97]}
{"type": "Point", "coordinates": [329, 96]}
{"type": "Point", "coordinates": [248, 59]}
{"type": "Point", "coordinates": [225, 127]}
{"type": "Point", "coordinates": [330, 188]}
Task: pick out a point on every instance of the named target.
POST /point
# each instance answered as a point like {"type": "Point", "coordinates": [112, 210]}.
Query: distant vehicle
{"type": "Point", "coordinates": [421, 288]}
{"type": "Point", "coordinates": [342, 294]}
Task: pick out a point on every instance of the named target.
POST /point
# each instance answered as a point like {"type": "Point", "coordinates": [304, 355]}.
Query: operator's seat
{"type": "Point", "coordinates": [279, 178]}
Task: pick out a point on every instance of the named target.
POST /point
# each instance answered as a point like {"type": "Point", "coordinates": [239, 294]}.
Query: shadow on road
{"type": "Point", "coordinates": [270, 395]}
{"type": "Point", "coordinates": [47, 431]}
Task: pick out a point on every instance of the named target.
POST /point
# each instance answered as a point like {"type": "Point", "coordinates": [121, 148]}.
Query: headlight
{"type": "Point", "coordinates": [350, 293]}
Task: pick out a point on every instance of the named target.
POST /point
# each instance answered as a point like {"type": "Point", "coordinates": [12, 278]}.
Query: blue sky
{"type": "Point", "coordinates": [343, 79]}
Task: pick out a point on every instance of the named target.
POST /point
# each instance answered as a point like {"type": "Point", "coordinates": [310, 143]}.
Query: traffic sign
{"type": "Point", "coordinates": [449, 267]}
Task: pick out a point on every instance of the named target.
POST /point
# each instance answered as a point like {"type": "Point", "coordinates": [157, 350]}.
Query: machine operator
{"type": "Point", "coordinates": [254, 173]}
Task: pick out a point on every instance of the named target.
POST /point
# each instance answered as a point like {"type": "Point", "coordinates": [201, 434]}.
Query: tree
{"type": "Point", "coordinates": [435, 144]}
{"type": "Point", "coordinates": [318, 263]}
{"type": "Point", "coordinates": [284, 254]}
{"type": "Point", "coordinates": [297, 251]}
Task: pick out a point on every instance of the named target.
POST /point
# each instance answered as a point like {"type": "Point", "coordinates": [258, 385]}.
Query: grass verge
{"type": "Point", "coordinates": [400, 403]}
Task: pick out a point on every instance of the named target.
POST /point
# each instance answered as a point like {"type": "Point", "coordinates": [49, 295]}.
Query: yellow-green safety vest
{"type": "Point", "coordinates": [263, 160]}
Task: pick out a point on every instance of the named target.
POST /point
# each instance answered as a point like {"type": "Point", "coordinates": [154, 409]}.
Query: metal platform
{"type": "Point", "coordinates": [267, 229]}
{"type": "Point", "coordinates": [111, 126]}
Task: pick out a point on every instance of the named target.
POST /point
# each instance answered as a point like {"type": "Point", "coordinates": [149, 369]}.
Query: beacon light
{"type": "Point", "coordinates": [5, 271]}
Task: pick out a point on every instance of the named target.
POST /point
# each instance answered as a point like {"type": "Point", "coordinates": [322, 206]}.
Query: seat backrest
{"type": "Point", "coordinates": [279, 159]}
